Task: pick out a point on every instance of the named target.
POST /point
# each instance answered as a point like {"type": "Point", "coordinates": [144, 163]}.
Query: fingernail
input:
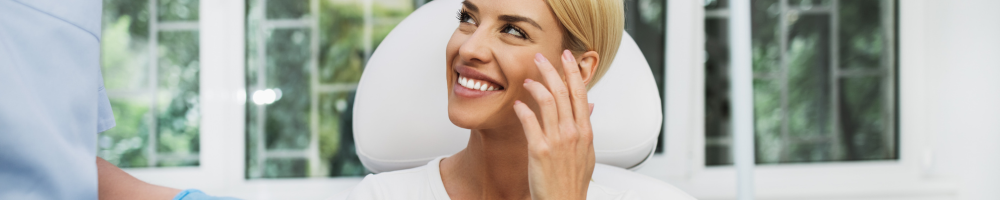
{"type": "Point", "coordinates": [517, 101]}
{"type": "Point", "coordinates": [567, 55]}
{"type": "Point", "coordinates": [528, 80]}
{"type": "Point", "coordinates": [539, 57]}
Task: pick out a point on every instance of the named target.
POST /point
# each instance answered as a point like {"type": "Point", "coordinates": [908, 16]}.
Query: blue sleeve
{"type": "Point", "coordinates": [193, 194]}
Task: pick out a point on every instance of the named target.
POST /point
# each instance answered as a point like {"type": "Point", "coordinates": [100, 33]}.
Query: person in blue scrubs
{"type": "Point", "coordinates": [53, 105]}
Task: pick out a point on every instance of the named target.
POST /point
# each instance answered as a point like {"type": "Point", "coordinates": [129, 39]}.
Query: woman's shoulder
{"type": "Point", "coordinates": [413, 183]}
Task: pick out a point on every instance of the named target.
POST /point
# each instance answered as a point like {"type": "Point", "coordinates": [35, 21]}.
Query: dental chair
{"type": "Point", "coordinates": [401, 106]}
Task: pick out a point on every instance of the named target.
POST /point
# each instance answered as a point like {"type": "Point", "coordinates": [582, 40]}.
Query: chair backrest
{"type": "Point", "coordinates": [401, 106]}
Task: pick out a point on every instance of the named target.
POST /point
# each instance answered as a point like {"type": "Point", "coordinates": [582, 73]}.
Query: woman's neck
{"type": "Point", "coordinates": [494, 165]}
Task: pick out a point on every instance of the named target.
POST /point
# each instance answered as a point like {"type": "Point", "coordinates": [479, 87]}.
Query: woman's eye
{"type": "Point", "coordinates": [464, 17]}
{"type": "Point", "coordinates": [513, 31]}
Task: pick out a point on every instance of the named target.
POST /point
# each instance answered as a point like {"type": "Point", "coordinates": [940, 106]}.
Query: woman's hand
{"type": "Point", "coordinates": [560, 145]}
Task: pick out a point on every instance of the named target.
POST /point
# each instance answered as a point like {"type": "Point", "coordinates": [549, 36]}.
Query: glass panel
{"type": "Point", "coordinates": [342, 43]}
{"type": "Point", "coordinates": [336, 135]}
{"type": "Point", "coordinates": [862, 38]}
{"type": "Point", "coordinates": [807, 4]}
{"type": "Point", "coordinates": [768, 120]}
{"type": "Point", "coordinates": [716, 4]}
{"type": "Point", "coordinates": [169, 107]}
{"type": "Point", "coordinates": [287, 121]}
{"type": "Point", "coordinates": [864, 119]}
{"type": "Point", "coordinates": [178, 113]}
{"type": "Point", "coordinates": [287, 9]}
{"type": "Point", "coordinates": [286, 167]}
{"type": "Point", "coordinates": [125, 45]}
{"type": "Point", "coordinates": [809, 76]}
{"type": "Point", "coordinates": [717, 111]}
{"type": "Point", "coordinates": [125, 144]}
{"type": "Point", "coordinates": [177, 10]}
{"type": "Point", "coordinates": [807, 109]}
{"type": "Point", "coordinates": [765, 37]}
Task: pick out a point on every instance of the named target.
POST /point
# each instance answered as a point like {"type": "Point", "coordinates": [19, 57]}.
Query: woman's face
{"type": "Point", "coordinates": [494, 47]}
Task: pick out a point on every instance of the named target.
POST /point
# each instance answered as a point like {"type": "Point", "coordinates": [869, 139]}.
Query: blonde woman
{"type": "Point", "coordinates": [518, 73]}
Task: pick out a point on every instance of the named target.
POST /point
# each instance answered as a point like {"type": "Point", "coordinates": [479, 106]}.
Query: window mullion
{"type": "Point", "coordinates": [154, 60]}
{"type": "Point", "coordinates": [783, 152]}
{"type": "Point", "coordinates": [835, 131]}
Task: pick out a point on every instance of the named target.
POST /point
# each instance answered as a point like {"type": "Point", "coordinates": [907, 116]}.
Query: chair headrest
{"type": "Point", "coordinates": [401, 106]}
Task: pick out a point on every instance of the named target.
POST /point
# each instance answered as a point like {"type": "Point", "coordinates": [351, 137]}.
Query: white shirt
{"type": "Point", "coordinates": [52, 99]}
{"type": "Point", "coordinates": [424, 182]}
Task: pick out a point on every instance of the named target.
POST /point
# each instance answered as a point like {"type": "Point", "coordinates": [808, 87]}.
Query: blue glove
{"type": "Point", "coordinates": [193, 194]}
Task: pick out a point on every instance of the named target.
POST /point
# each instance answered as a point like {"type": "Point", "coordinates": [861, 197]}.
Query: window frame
{"type": "Point", "coordinates": [683, 163]}
{"type": "Point", "coordinates": [222, 169]}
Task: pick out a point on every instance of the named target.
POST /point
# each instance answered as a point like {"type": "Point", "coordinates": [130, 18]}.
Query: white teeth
{"type": "Point", "coordinates": [475, 85]}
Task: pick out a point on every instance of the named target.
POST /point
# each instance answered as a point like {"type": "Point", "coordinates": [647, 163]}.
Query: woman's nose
{"type": "Point", "coordinates": [476, 48]}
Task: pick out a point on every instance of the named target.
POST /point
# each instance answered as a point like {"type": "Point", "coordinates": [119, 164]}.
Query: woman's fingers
{"type": "Point", "coordinates": [577, 89]}
{"type": "Point", "coordinates": [546, 105]}
{"type": "Point", "coordinates": [556, 86]}
{"type": "Point", "coordinates": [529, 122]}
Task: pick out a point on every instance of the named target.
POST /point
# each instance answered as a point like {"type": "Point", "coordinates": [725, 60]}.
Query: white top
{"type": "Point", "coordinates": [52, 99]}
{"type": "Point", "coordinates": [424, 182]}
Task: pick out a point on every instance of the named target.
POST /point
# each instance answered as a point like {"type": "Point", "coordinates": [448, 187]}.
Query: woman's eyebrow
{"type": "Point", "coordinates": [470, 6]}
{"type": "Point", "coordinates": [516, 18]}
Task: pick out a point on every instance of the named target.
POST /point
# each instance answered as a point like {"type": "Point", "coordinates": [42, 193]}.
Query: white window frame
{"type": "Point", "coordinates": [222, 169]}
{"type": "Point", "coordinates": [682, 163]}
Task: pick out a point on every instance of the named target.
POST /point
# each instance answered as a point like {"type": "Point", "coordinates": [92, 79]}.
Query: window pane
{"type": "Point", "coordinates": [287, 121]}
{"type": "Point", "coordinates": [125, 145]}
{"type": "Point", "coordinates": [178, 116]}
{"type": "Point", "coordinates": [312, 82]}
{"type": "Point", "coordinates": [862, 120]}
{"type": "Point", "coordinates": [822, 81]}
{"type": "Point", "coordinates": [808, 76]}
{"type": "Point", "coordinates": [177, 10]}
{"type": "Point", "coordinates": [154, 91]}
{"type": "Point", "coordinates": [287, 9]}
{"type": "Point", "coordinates": [342, 53]}
{"type": "Point", "coordinates": [125, 45]}
{"type": "Point", "coordinates": [337, 136]}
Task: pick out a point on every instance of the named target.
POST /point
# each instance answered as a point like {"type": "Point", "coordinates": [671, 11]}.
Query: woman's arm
{"type": "Point", "coordinates": [114, 184]}
{"type": "Point", "coordinates": [560, 145]}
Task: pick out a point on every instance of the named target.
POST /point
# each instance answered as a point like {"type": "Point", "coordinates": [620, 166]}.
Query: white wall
{"type": "Point", "coordinates": [962, 52]}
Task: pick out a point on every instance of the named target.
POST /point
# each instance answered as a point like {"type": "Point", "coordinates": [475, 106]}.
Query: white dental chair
{"type": "Point", "coordinates": [401, 113]}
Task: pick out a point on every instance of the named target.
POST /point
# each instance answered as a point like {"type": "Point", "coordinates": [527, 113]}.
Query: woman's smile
{"type": "Point", "coordinates": [473, 84]}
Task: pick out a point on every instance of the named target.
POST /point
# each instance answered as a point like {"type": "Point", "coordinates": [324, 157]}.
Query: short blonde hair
{"type": "Point", "coordinates": [592, 25]}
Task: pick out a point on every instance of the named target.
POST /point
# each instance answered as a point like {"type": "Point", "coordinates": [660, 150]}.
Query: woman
{"type": "Point", "coordinates": [531, 136]}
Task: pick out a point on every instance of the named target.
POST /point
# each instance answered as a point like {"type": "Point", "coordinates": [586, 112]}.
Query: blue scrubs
{"type": "Point", "coordinates": [52, 99]}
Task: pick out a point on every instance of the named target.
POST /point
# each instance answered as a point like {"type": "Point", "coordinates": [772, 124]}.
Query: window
{"type": "Point", "coordinates": [824, 81]}
{"type": "Point", "coordinates": [304, 60]}
{"type": "Point", "coordinates": [150, 53]}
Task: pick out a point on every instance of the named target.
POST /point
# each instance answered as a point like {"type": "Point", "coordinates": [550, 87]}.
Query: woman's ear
{"type": "Point", "coordinates": [588, 65]}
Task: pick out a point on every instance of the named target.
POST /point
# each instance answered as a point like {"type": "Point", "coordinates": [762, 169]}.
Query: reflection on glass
{"type": "Point", "coordinates": [822, 81]}
{"type": "Point", "coordinates": [315, 61]}
{"type": "Point", "coordinates": [154, 92]}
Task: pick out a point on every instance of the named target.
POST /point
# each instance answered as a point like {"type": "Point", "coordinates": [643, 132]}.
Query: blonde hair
{"type": "Point", "coordinates": [592, 25]}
